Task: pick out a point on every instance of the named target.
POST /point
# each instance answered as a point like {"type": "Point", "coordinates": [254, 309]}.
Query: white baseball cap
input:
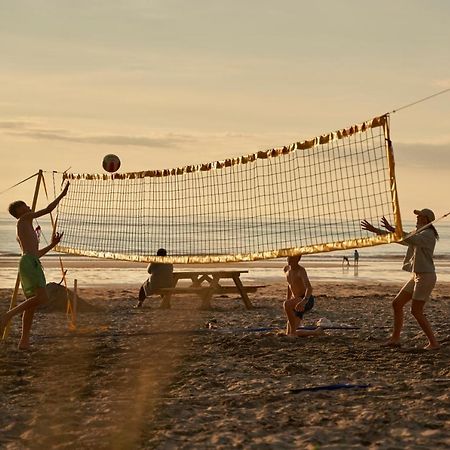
{"type": "Point", "coordinates": [426, 213]}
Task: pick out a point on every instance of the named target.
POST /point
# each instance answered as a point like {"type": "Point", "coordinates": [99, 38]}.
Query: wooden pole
{"type": "Point", "coordinates": [393, 183]}
{"type": "Point", "coordinates": [16, 287]}
{"type": "Point", "coordinates": [70, 311]}
{"type": "Point", "coordinates": [75, 302]}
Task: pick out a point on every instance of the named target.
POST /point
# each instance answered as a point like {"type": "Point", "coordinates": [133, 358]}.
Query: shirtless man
{"type": "Point", "coordinates": [299, 298]}
{"type": "Point", "coordinates": [31, 274]}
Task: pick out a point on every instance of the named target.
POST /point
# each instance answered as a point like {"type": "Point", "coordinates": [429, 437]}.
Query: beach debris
{"type": "Point", "coordinates": [58, 294]}
{"type": "Point", "coordinates": [324, 322]}
{"type": "Point", "coordinates": [211, 324]}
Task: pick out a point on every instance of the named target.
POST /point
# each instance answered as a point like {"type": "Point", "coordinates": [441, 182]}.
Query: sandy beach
{"type": "Point", "coordinates": [225, 139]}
{"type": "Point", "coordinates": [153, 378]}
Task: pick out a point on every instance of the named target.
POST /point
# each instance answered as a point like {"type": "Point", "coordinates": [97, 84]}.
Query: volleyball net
{"type": "Point", "coordinates": [308, 197]}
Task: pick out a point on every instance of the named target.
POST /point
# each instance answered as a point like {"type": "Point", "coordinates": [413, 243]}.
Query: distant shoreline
{"type": "Point", "coordinates": [322, 269]}
{"type": "Point", "coordinates": [316, 260]}
{"type": "Point", "coordinates": [323, 260]}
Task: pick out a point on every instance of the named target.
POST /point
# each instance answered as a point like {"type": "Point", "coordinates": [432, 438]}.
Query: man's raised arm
{"type": "Point", "coordinates": [51, 206]}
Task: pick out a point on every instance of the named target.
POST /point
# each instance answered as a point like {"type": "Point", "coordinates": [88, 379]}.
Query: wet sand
{"type": "Point", "coordinates": [154, 378]}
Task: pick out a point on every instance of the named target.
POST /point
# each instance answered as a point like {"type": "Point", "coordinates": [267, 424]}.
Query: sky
{"type": "Point", "coordinates": [166, 83]}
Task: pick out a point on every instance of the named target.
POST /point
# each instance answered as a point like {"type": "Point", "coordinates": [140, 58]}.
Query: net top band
{"type": "Point", "coordinates": [263, 154]}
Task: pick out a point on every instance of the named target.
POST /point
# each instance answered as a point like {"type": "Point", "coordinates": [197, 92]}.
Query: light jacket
{"type": "Point", "coordinates": [419, 256]}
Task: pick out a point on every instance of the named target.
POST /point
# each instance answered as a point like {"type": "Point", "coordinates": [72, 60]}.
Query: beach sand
{"type": "Point", "coordinates": [154, 378]}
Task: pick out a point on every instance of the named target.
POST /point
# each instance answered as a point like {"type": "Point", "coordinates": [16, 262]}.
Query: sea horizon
{"type": "Point", "coordinates": [382, 263]}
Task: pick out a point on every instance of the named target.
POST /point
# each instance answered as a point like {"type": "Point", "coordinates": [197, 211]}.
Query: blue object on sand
{"type": "Point", "coordinates": [330, 387]}
{"type": "Point", "coordinates": [263, 329]}
{"type": "Point", "coordinates": [333, 327]}
{"type": "Point", "coordinates": [267, 329]}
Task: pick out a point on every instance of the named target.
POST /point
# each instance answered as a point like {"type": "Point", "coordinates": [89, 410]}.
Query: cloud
{"type": "Point", "coordinates": [13, 125]}
{"type": "Point", "coordinates": [35, 131]}
{"type": "Point", "coordinates": [422, 155]}
{"type": "Point", "coordinates": [432, 156]}
{"type": "Point", "coordinates": [30, 131]}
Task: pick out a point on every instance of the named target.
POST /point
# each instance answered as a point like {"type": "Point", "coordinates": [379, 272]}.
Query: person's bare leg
{"type": "Point", "coordinates": [293, 320]}
{"type": "Point", "coordinates": [398, 304]}
{"type": "Point", "coordinates": [27, 321]}
{"type": "Point", "coordinates": [31, 302]}
{"type": "Point", "coordinates": [417, 311]}
{"type": "Point", "coordinates": [27, 318]}
{"type": "Point", "coordinates": [288, 323]}
{"type": "Point", "coordinates": [141, 297]}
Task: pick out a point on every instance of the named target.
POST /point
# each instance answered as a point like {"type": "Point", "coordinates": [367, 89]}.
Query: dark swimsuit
{"type": "Point", "coordinates": [308, 307]}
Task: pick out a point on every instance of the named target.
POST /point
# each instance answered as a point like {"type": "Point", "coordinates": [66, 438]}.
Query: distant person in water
{"type": "Point", "coordinates": [345, 260]}
{"type": "Point", "coordinates": [299, 299]}
{"type": "Point", "coordinates": [31, 274]}
{"type": "Point", "coordinates": [161, 276]}
{"type": "Point", "coordinates": [356, 257]}
{"type": "Point", "coordinates": [419, 261]}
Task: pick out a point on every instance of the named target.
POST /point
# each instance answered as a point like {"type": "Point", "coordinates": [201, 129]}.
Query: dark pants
{"type": "Point", "coordinates": [146, 291]}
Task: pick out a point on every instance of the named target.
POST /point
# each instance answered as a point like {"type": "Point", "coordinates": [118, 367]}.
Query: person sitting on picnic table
{"type": "Point", "coordinates": [161, 276]}
{"type": "Point", "coordinates": [299, 298]}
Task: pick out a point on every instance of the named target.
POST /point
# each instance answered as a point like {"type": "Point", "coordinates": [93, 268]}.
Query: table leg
{"type": "Point", "coordinates": [205, 278]}
{"type": "Point", "coordinates": [241, 289]}
{"type": "Point", "coordinates": [213, 286]}
{"type": "Point", "coordinates": [206, 299]}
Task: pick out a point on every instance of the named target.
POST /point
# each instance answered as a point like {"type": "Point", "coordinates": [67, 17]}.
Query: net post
{"type": "Point", "coordinates": [69, 310]}
{"type": "Point", "coordinates": [13, 301]}
{"type": "Point", "coordinates": [398, 234]}
{"type": "Point", "coordinates": [11, 305]}
{"type": "Point", "coordinates": [74, 302]}
{"type": "Point", "coordinates": [36, 190]}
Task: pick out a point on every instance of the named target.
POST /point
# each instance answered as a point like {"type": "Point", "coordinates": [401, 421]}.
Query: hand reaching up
{"type": "Point", "coordinates": [365, 225]}
{"type": "Point", "coordinates": [387, 225]}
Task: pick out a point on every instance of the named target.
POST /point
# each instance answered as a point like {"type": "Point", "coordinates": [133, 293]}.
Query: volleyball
{"type": "Point", "coordinates": [111, 163]}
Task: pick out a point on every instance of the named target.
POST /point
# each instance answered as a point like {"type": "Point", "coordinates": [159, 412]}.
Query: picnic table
{"type": "Point", "coordinates": [206, 283]}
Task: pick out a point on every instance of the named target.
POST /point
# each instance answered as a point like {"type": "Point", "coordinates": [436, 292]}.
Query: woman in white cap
{"type": "Point", "coordinates": [419, 261]}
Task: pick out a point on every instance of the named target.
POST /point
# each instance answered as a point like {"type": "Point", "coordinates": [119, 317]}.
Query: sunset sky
{"type": "Point", "coordinates": [166, 83]}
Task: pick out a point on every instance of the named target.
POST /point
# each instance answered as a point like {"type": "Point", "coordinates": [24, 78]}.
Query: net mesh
{"type": "Point", "coordinates": [306, 198]}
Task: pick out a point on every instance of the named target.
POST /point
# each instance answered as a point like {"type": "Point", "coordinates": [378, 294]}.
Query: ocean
{"type": "Point", "coordinates": [380, 263]}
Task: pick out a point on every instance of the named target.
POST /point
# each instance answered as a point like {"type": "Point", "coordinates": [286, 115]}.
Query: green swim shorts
{"type": "Point", "coordinates": [31, 274]}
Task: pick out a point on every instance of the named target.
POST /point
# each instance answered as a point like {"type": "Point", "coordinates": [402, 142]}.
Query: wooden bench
{"type": "Point", "coordinates": [235, 290]}
{"type": "Point", "coordinates": [204, 292]}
